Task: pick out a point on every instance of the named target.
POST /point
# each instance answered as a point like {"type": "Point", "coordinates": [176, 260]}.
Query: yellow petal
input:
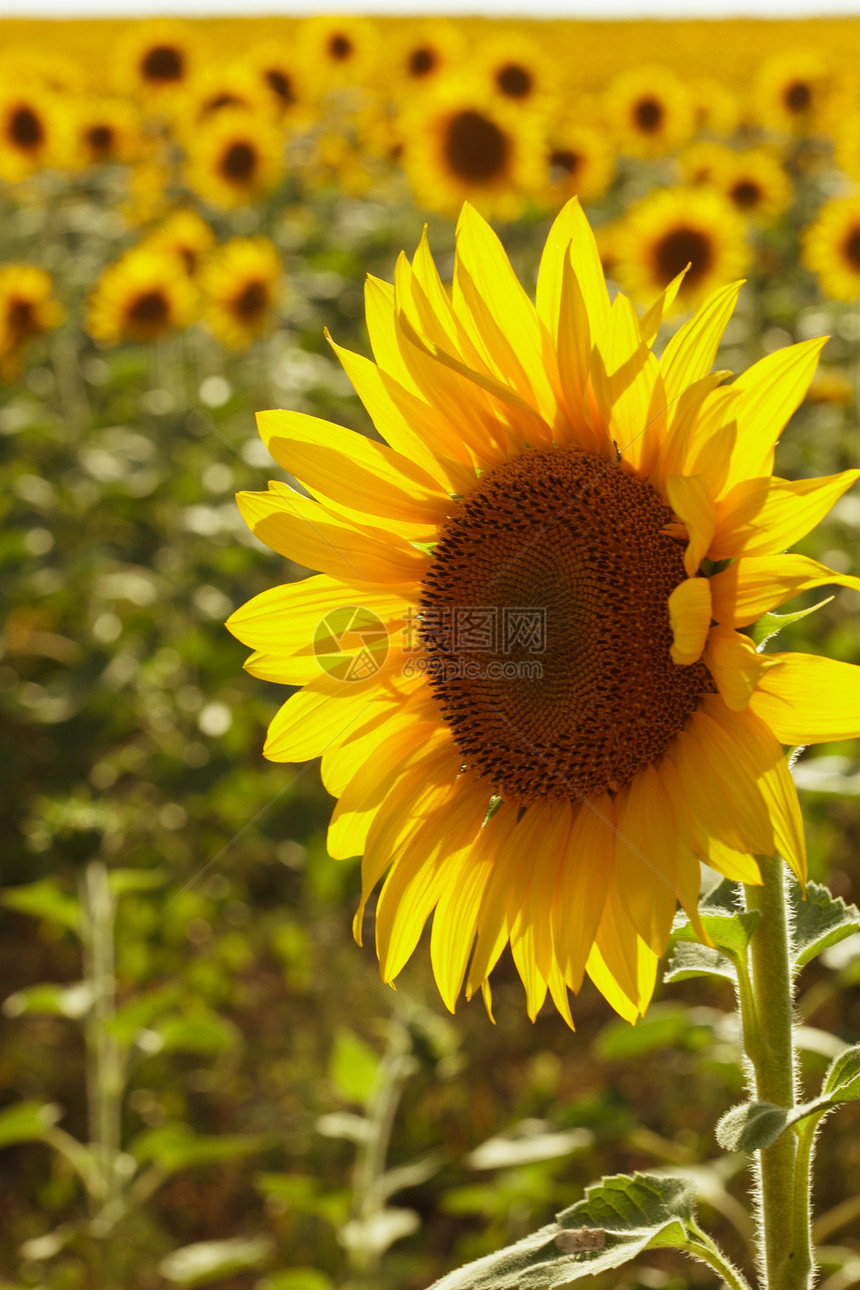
{"type": "Point", "coordinates": [764, 516]}
{"type": "Point", "coordinates": [646, 868]}
{"type": "Point", "coordinates": [325, 712]}
{"type": "Point", "coordinates": [649, 323]}
{"type": "Point", "coordinates": [735, 665]}
{"type": "Point", "coordinates": [690, 353]}
{"type": "Point", "coordinates": [750, 826]}
{"type": "Point", "coordinates": [571, 238]}
{"type": "Point", "coordinates": [285, 619]}
{"type": "Point", "coordinates": [351, 470]}
{"type": "Point", "coordinates": [710, 801]}
{"type": "Point", "coordinates": [583, 882]}
{"type": "Point", "coordinates": [690, 619]}
{"type": "Point", "coordinates": [574, 357]}
{"type": "Point", "coordinates": [305, 531]}
{"type": "Point", "coordinates": [623, 372]}
{"type": "Point", "coordinates": [755, 585]}
{"type": "Point", "coordinates": [531, 932]}
{"type": "Point", "coordinates": [761, 755]}
{"type": "Point", "coordinates": [694, 504]}
{"type": "Point", "coordinates": [809, 700]}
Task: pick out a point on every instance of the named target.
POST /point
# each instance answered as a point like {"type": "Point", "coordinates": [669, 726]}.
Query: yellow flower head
{"type": "Point", "coordinates": [239, 284]}
{"type": "Point", "coordinates": [279, 71]}
{"type": "Point", "coordinates": [649, 111]}
{"type": "Point", "coordinates": [424, 51]}
{"type": "Point", "coordinates": [462, 142]}
{"type": "Point", "coordinates": [792, 91]}
{"type": "Point", "coordinates": [579, 162]}
{"type": "Point", "coordinates": [676, 227]}
{"type": "Point", "coordinates": [185, 235]}
{"type": "Point", "coordinates": [27, 309]}
{"type": "Point", "coordinates": [517, 71]}
{"type": "Point", "coordinates": [523, 660]}
{"type": "Point", "coordinates": [340, 50]}
{"type": "Point", "coordinates": [755, 183]}
{"type": "Point", "coordinates": [831, 248]}
{"type": "Point", "coordinates": [154, 60]}
{"type": "Point", "coordinates": [141, 297]}
{"type": "Point", "coordinates": [106, 131]}
{"type": "Point", "coordinates": [33, 129]}
{"type": "Point", "coordinates": [234, 157]}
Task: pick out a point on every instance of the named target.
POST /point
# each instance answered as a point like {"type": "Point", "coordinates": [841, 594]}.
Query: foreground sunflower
{"type": "Point", "coordinates": [523, 660]}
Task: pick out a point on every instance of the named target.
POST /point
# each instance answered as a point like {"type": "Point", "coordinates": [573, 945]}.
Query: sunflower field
{"type": "Point", "coordinates": [203, 1080]}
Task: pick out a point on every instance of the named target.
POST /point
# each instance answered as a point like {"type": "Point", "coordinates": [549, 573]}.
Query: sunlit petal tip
{"type": "Point", "coordinates": [690, 620]}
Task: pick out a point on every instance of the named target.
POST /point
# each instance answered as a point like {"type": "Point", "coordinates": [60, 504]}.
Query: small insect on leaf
{"type": "Point", "coordinates": [581, 1240]}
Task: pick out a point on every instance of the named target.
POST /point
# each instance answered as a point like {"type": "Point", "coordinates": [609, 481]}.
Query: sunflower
{"type": "Point", "coordinates": [715, 107]}
{"type": "Point", "coordinates": [278, 70]}
{"type": "Point", "coordinates": [211, 91]}
{"type": "Point", "coordinates": [523, 661]}
{"type": "Point", "coordinates": [676, 227]}
{"type": "Point", "coordinates": [339, 50]}
{"type": "Point", "coordinates": [186, 235]}
{"type": "Point", "coordinates": [239, 285]}
{"type": "Point", "coordinates": [461, 142]}
{"type": "Point", "coordinates": [154, 60]}
{"type": "Point", "coordinates": [649, 111]}
{"type": "Point", "coordinates": [755, 183]}
{"type": "Point", "coordinates": [32, 130]}
{"type": "Point", "coordinates": [106, 131]}
{"type": "Point", "coordinates": [234, 158]}
{"type": "Point", "coordinates": [792, 91]}
{"type": "Point", "coordinates": [579, 162]}
{"type": "Point", "coordinates": [831, 248]}
{"type": "Point", "coordinates": [517, 71]}
{"type": "Point", "coordinates": [702, 161]}
{"type": "Point", "coordinates": [27, 309]}
{"type": "Point", "coordinates": [142, 297]}
{"type": "Point", "coordinates": [425, 51]}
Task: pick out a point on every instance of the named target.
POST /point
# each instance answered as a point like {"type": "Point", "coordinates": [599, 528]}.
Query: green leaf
{"type": "Point", "coordinates": [45, 899]}
{"type": "Point", "coordinates": [121, 881]}
{"type": "Point", "coordinates": [751, 1126]}
{"type": "Point", "coordinates": [133, 1017]}
{"type": "Point", "coordinates": [174, 1146]}
{"type": "Point", "coordinates": [842, 1081]}
{"type": "Point", "coordinates": [821, 920]}
{"type": "Point", "coordinates": [295, 1279]}
{"type": "Point", "coordinates": [50, 999]}
{"type": "Point", "coordinates": [618, 1218]}
{"type": "Point", "coordinates": [27, 1122]}
{"type": "Point", "coordinates": [729, 926]}
{"type": "Point", "coordinates": [207, 1261]}
{"type": "Point", "coordinates": [666, 1025]}
{"type": "Point", "coordinates": [201, 1031]}
{"type": "Point", "coordinates": [691, 959]}
{"type": "Point", "coordinates": [353, 1067]}
{"type": "Point", "coordinates": [770, 625]}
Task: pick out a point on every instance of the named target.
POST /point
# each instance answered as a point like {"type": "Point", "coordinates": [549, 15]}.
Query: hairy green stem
{"type": "Point", "coordinates": [785, 1245]}
{"type": "Point", "coordinates": [706, 1249]}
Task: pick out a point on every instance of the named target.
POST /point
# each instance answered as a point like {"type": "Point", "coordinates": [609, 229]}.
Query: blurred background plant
{"type": "Point", "coordinates": [202, 1080]}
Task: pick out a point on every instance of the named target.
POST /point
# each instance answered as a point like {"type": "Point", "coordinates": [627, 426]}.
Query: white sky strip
{"type": "Point", "coordinates": [686, 9]}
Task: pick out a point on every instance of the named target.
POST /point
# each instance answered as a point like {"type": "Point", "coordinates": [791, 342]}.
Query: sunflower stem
{"type": "Point", "coordinates": [784, 1243]}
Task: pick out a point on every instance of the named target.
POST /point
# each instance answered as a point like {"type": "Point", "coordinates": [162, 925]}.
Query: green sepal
{"type": "Point", "coordinates": [618, 1218]}
{"type": "Point", "coordinates": [770, 625]}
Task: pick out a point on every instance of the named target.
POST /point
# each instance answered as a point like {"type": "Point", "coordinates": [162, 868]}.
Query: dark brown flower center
{"type": "Point", "coordinates": [21, 319]}
{"type": "Point", "coordinates": [422, 61]}
{"type": "Point", "coordinates": [340, 47]}
{"type": "Point", "coordinates": [851, 249]}
{"type": "Point", "coordinates": [564, 163]}
{"type": "Point", "coordinates": [678, 248]}
{"type": "Point", "coordinates": [281, 84]}
{"type": "Point", "coordinates": [476, 149]}
{"type": "Point", "coordinates": [798, 96]}
{"type": "Point", "coordinates": [251, 302]}
{"type": "Point", "coordinates": [148, 313]}
{"type": "Point", "coordinates": [163, 63]}
{"type": "Point", "coordinates": [546, 626]}
{"type": "Point", "coordinates": [648, 114]}
{"type": "Point", "coordinates": [239, 161]}
{"type": "Point", "coordinates": [746, 194]}
{"type": "Point", "coordinates": [515, 81]}
{"type": "Point", "coordinates": [100, 140]}
{"type": "Point", "coordinates": [26, 129]}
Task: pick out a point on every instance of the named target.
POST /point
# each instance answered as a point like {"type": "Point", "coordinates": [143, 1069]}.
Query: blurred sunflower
{"type": "Point", "coordinates": [579, 162]}
{"type": "Point", "coordinates": [239, 286]}
{"type": "Point", "coordinates": [106, 131]}
{"type": "Point", "coordinates": [33, 130]}
{"type": "Point", "coordinates": [340, 50]}
{"type": "Point", "coordinates": [791, 91]}
{"type": "Point", "coordinates": [279, 71]}
{"type": "Point", "coordinates": [27, 309]}
{"type": "Point", "coordinates": [517, 70]}
{"type": "Point", "coordinates": [575, 718]}
{"type": "Point", "coordinates": [460, 142]}
{"type": "Point", "coordinates": [142, 297]}
{"type": "Point", "coordinates": [216, 88]}
{"type": "Point", "coordinates": [676, 227]}
{"type": "Point", "coordinates": [424, 51]}
{"type": "Point", "coordinates": [154, 60]}
{"type": "Point", "coordinates": [234, 158]}
{"type": "Point", "coordinates": [42, 67]}
{"type": "Point", "coordinates": [649, 111]}
{"type": "Point", "coordinates": [702, 161]}
{"type": "Point", "coordinates": [185, 235]}
{"type": "Point", "coordinates": [831, 248]}
{"type": "Point", "coordinates": [716, 109]}
{"type": "Point", "coordinates": [755, 183]}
